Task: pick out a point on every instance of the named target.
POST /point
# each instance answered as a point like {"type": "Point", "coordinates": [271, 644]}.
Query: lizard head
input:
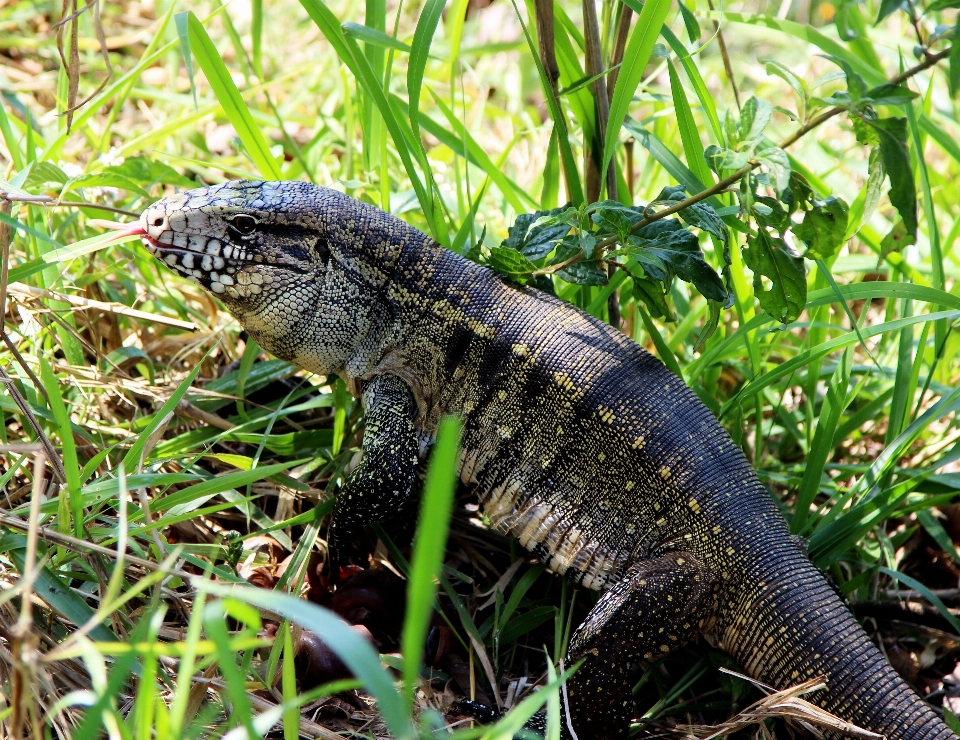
{"type": "Point", "coordinates": [298, 265]}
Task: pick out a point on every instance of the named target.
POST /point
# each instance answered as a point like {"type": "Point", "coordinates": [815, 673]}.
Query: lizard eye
{"type": "Point", "coordinates": [244, 224]}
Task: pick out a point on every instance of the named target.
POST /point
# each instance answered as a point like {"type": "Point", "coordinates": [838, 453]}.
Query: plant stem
{"type": "Point", "coordinates": [745, 170]}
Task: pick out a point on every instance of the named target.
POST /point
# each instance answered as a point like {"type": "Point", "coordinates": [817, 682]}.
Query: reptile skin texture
{"type": "Point", "coordinates": [576, 441]}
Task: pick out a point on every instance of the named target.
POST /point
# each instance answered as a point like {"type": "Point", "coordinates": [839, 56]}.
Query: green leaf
{"type": "Point", "coordinates": [891, 94]}
{"type": "Point", "coordinates": [896, 239]}
{"type": "Point", "coordinates": [584, 273]}
{"type": "Point", "coordinates": [754, 117]}
{"type": "Point", "coordinates": [509, 262]}
{"type": "Point", "coordinates": [889, 6]}
{"type": "Point", "coordinates": [680, 251]}
{"type": "Point", "coordinates": [150, 172]}
{"type": "Point", "coordinates": [896, 161]}
{"type": "Point", "coordinates": [57, 594]}
{"type": "Point", "coordinates": [824, 228]}
{"type": "Point", "coordinates": [102, 180]}
{"type": "Point", "coordinates": [689, 22]}
{"type": "Point", "coordinates": [229, 97]}
{"type": "Point", "coordinates": [875, 175]}
{"type": "Point", "coordinates": [702, 215]}
{"type": "Point", "coordinates": [774, 67]}
{"type": "Point", "coordinates": [719, 159]}
{"type": "Point", "coordinates": [689, 135]}
{"type": "Point", "coordinates": [651, 293]}
{"type": "Point", "coordinates": [42, 173]}
{"type": "Point", "coordinates": [768, 257]}
{"type": "Point", "coordinates": [856, 87]}
{"type": "Point", "coordinates": [951, 720]}
{"type": "Point", "coordinates": [571, 174]}
{"type": "Point", "coordinates": [635, 58]}
{"type": "Point", "coordinates": [954, 73]}
{"type": "Point", "coordinates": [399, 129]}
{"type": "Point", "coordinates": [777, 164]}
{"type": "Point", "coordinates": [71, 466]}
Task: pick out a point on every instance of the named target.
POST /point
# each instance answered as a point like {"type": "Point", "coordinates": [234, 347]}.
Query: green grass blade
{"type": "Point", "coordinates": [926, 593]}
{"type": "Point", "coordinates": [428, 550]}
{"type": "Point", "coordinates": [419, 52]}
{"type": "Point", "coordinates": [795, 363]}
{"type": "Point", "coordinates": [689, 136]}
{"type": "Point", "coordinates": [230, 99]}
{"type": "Point", "coordinates": [374, 37]}
{"type": "Point", "coordinates": [356, 653]}
{"type": "Point", "coordinates": [833, 406]}
{"type": "Point", "coordinates": [71, 467]}
{"type": "Point", "coordinates": [510, 191]}
{"type": "Point", "coordinates": [635, 58]}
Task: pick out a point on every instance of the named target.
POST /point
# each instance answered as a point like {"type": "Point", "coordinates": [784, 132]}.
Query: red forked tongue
{"type": "Point", "coordinates": [135, 228]}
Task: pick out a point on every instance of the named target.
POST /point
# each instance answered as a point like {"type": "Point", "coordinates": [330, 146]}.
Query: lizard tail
{"type": "Point", "coordinates": [797, 628]}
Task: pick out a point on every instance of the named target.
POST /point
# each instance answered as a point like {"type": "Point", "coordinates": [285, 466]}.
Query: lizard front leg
{"type": "Point", "coordinates": [381, 483]}
{"type": "Point", "coordinates": [658, 606]}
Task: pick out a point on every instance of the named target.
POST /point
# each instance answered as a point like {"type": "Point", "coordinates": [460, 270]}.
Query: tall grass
{"type": "Point", "coordinates": [145, 465]}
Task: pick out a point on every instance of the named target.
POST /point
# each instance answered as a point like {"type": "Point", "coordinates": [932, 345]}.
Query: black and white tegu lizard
{"type": "Point", "coordinates": [577, 441]}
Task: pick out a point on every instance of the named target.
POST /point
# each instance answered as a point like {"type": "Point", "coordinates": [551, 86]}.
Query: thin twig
{"type": "Point", "coordinates": [727, 66]}
{"type": "Point", "coordinates": [37, 429]}
{"type": "Point", "coordinates": [47, 201]}
{"type": "Point", "coordinates": [745, 170]}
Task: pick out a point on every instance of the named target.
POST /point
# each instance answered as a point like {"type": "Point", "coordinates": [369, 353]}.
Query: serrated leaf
{"type": "Point", "coordinates": [769, 213]}
{"type": "Point", "coordinates": [615, 218]}
{"type": "Point", "coordinates": [768, 257]}
{"type": "Point", "coordinates": [856, 87]}
{"type": "Point", "coordinates": [536, 234]}
{"type": "Point", "coordinates": [875, 176]}
{"type": "Point", "coordinates": [718, 159]}
{"type": "Point", "coordinates": [890, 94]}
{"type": "Point", "coordinates": [143, 170]}
{"type": "Point", "coordinates": [584, 273]}
{"type": "Point", "coordinates": [510, 262]}
{"type": "Point", "coordinates": [774, 67]}
{"type": "Point", "coordinates": [896, 161]}
{"type": "Point", "coordinates": [653, 266]}
{"type": "Point", "coordinates": [42, 173]}
{"type": "Point", "coordinates": [651, 294]}
{"type": "Point", "coordinates": [701, 215]}
{"type": "Point", "coordinates": [824, 227]}
{"type": "Point", "coordinates": [680, 251]}
{"type": "Point", "coordinates": [588, 242]}
{"type": "Point", "coordinates": [777, 164]}
{"type": "Point", "coordinates": [896, 239]}
{"type": "Point", "coordinates": [754, 117]}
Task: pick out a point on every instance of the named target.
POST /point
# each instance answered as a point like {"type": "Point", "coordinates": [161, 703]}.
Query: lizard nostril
{"type": "Point", "coordinates": [158, 221]}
